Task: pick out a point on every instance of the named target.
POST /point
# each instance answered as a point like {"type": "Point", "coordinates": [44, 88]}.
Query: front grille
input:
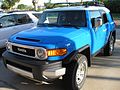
{"type": "Point", "coordinates": [24, 51]}
{"type": "Point", "coordinates": [19, 66]}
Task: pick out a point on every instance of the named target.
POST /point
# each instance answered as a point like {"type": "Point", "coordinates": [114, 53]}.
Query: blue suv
{"type": "Point", "coordinates": [62, 44]}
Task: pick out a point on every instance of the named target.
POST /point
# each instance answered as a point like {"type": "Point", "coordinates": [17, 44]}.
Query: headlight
{"type": "Point", "coordinates": [8, 45]}
{"type": "Point", "coordinates": [41, 53]}
{"type": "Point", "coordinates": [56, 52]}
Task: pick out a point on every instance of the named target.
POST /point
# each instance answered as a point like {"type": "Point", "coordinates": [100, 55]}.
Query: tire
{"type": "Point", "coordinates": [2, 50]}
{"type": "Point", "coordinates": [76, 73]}
{"type": "Point", "coordinates": [109, 48]}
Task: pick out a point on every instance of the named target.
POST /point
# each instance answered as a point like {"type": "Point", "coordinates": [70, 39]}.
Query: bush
{"type": "Point", "coordinates": [113, 5]}
{"type": "Point", "coordinates": [24, 7]}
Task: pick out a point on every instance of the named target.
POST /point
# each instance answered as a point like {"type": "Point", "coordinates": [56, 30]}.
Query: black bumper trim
{"type": "Point", "coordinates": [36, 67]}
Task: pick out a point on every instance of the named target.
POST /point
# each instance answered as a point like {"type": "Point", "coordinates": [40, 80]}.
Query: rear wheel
{"type": "Point", "coordinates": [108, 50]}
{"type": "Point", "coordinates": [76, 73]}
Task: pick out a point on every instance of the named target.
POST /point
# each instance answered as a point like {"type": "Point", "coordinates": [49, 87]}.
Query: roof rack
{"type": "Point", "coordinates": [68, 4]}
{"type": "Point", "coordinates": [86, 4]}
{"type": "Point", "coordinates": [93, 3]}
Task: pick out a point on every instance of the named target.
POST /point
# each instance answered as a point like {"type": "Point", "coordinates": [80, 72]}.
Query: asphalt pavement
{"type": "Point", "coordinates": [104, 74]}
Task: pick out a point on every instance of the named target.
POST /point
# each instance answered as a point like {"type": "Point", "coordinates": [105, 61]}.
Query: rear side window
{"type": "Point", "coordinates": [23, 19]}
{"type": "Point", "coordinates": [104, 16]}
{"type": "Point", "coordinates": [93, 15]}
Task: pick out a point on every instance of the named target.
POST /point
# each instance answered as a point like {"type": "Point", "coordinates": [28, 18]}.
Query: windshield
{"type": "Point", "coordinates": [63, 18]}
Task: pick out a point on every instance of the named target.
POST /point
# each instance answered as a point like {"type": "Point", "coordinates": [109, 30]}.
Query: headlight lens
{"type": "Point", "coordinates": [41, 53]}
{"type": "Point", "coordinates": [8, 45]}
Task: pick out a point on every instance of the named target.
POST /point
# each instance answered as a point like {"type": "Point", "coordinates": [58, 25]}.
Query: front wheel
{"type": "Point", "coordinates": [76, 73]}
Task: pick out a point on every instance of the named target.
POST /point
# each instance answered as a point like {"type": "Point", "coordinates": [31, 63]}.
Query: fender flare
{"type": "Point", "coordinates": [70, 58]}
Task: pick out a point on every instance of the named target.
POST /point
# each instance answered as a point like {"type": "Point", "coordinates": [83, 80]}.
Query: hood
{"type": "Point", "coordinates": [46, 35]}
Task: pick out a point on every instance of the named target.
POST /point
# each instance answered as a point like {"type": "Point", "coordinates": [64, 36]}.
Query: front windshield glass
{"type": "Point", "coordinates": [63, 18]}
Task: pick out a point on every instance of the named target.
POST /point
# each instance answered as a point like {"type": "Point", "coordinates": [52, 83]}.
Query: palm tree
{"type": "Point", "coordinates": [35, 2]}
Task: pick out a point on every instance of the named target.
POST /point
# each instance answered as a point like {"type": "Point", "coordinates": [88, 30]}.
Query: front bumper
{"type": "Point", "coordinates": [33, 68]}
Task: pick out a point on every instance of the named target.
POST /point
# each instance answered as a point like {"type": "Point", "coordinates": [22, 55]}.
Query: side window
{"type": "Point", "coordinates": [23, 19]}
{"type": "Point", "coordinates": [94, 15]}
{"type": "Point", "coordinates": [7, 21]}
{"type": "Point", "coordinates": [104, 16]}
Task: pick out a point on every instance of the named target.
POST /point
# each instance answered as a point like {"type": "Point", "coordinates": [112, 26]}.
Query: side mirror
{"type": "Point", "coordinates": [1, 25]}
{"type": "Point", "coordinates": [97, 22]}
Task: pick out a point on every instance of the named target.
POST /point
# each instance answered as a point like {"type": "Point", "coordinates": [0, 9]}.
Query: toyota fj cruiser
{"type": "Point", "coordinates": [62, 45]}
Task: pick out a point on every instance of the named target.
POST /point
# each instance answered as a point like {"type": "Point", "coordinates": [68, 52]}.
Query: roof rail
{"type": "Point", "coordinates": [20, 11]}
{"type": "Point", "coordinates": [68, 4]}
{"type": "Point", "coordinates": [86, 4]}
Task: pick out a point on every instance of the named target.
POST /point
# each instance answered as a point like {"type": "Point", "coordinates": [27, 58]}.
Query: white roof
{"type": "Point", "coordinates": [79, 8]}
{"type": "Point", "coordinates": [3, 14]}
{"type": "Point", "coordinates": [22, 12]}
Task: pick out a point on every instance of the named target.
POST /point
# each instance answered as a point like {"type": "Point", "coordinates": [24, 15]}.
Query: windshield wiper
{"type": "Point", "coordinates": [42, 25]}
{"type": "Point", "coordinates": [49, 25]}
{"type": "Point", "coordinates": [69, 25]}
{"type": "Point", "coordinates": [57, 25]}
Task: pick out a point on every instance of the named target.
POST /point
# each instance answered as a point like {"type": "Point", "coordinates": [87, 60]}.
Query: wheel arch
{"type": "Point", "coordinates": [113, 33]}
{"type": "Point", "coordinates": [85, 50]}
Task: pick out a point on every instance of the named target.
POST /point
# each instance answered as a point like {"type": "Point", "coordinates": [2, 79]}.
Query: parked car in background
{"type": "Point", "coordinates": [11, 23]}
{"type": "Point", "coordinates": [1, 11]}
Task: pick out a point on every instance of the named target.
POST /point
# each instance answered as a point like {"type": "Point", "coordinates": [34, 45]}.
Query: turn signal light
{"type": "Point", "coordinates": [56, 52]}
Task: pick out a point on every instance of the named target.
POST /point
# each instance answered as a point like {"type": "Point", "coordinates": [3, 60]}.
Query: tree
{"type": "Point", "coordinates": [8, 4]}
{"type": "Point", "coordinates": [50, 1]}
{"type": "Point", "coordinates": [22, 6]}
{"type": "Point", "coordinates": [35, 2]}
{"type": "Point", "coordinates": [113, 5]}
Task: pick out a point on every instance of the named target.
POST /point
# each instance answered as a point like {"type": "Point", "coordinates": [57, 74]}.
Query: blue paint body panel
{"type": "Point", "coordinates": [70, 38]}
